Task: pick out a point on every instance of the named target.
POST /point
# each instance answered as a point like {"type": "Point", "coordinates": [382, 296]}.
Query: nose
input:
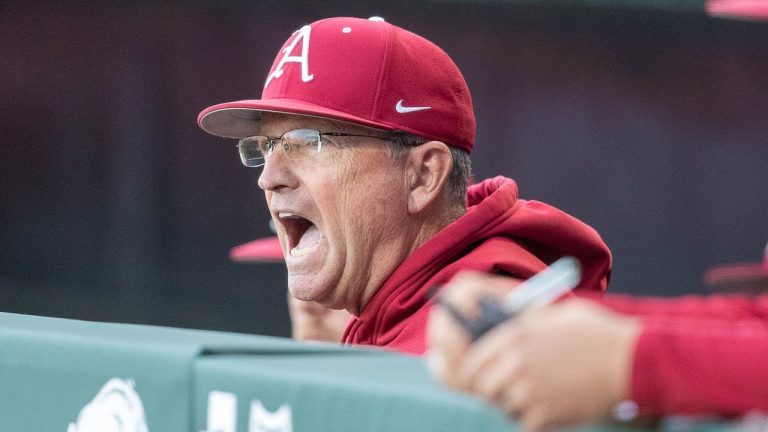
{"type": "Point", "coordinates": [277, 173]}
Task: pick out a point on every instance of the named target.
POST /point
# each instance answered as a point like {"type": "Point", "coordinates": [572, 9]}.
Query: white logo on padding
{"type": "Point", "coordinates": [222, 415]}
{"type": "Point", "coordinates": [303, 36]}
{"type": "Point", "coordinates": [264, 421]}
{"type": "Point", "coordinates": [409, 109]}
{"type": "Point", "coordinates": [116, 408]}
{"type": "Point", "coordinates": [222, 412]}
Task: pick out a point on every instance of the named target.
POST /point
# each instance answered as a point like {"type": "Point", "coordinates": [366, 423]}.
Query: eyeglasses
{"type": "Point", "coordinates": [296, 144]}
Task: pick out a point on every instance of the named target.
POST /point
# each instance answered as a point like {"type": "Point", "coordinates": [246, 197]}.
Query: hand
{"type": "Point", "coordinates": [561, 365]}
{"type": "Point", "coordinates": [313, 321]}
{"type": "Point", "coordinates": [447, 340]}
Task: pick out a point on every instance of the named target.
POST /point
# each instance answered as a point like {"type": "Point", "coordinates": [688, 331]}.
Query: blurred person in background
{"type": "Point", "coordinates": [310, 321]}
{"type": "Point", "coordinates": [577, 361]}
{"type": "Point", "coordinates": [362, 135]}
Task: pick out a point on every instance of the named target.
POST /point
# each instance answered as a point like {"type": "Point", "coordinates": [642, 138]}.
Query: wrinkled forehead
{"type": "Point", "coordinates": [275, 124]}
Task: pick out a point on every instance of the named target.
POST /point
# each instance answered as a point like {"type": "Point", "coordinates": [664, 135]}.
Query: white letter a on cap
{"type": "Point", "coordinates": [303, 36]}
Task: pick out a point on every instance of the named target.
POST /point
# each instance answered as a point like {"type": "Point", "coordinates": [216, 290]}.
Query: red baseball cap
{"type": "Point", "coordinates": [363, 71]}
{"type": "Point", "coordinates": [747, 9]}
{"type": "Point", "coordinates": [265, 249]}
{"type": "Point", "coordinates": [737, 276]}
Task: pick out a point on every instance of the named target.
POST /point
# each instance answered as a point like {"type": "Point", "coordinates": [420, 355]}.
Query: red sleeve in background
{"type": "Point", "coordinates": [699, 355]}
{"type": "Point", "coordinates": [725, 307]}
{"type": "Point", "coordinates": [693, 366]}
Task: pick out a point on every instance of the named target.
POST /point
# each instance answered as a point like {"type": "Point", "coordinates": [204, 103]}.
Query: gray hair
{"type": "Point", "coordinates": [461, 170]}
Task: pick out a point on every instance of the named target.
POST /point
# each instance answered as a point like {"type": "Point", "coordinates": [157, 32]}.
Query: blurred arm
{"type": "Point", "coordinates": [726, 307]}
{"type": "Point", "coordinates": [686, 365]}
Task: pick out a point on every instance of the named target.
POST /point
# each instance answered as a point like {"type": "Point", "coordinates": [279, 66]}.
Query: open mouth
{"type": "Point", "coordinates": [301, 233]}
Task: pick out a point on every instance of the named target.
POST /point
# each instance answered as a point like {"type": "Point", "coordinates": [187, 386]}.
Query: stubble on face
{"type": "Point", "coordinates": [355, 196]}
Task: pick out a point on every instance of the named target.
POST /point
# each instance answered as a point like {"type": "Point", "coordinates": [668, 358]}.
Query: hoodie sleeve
{"type": "Point", "coordinates": [699, 354]}
{"type": "Point", "coordinates": [690, 366]}
{"type": "Point", "coordinates": [725, 307]}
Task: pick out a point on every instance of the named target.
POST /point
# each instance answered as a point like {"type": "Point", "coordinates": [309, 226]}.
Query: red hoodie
{"type": "Point", "coordinates": [498, 234]}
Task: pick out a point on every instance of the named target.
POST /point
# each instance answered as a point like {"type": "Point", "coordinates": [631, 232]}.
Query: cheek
{"type": "Point", "coordinates": [339, 195]}
{"type": "Point", "coordinates": [362, 196]}
{"type": "Point", "coordinates": [372, 213]}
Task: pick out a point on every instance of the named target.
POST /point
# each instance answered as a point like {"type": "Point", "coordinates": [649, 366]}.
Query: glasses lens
{"type": "Point", "coordinates": [253, 151]}
{"type": "Point", "coordinates": [301, 143]}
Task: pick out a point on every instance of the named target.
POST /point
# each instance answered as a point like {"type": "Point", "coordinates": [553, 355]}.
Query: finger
{"type": "Point", "coordinates": [499, 377]}
{"type": "Point", "coordinates": [514, 400]}
{"type": "Point", "coordinates": [445, 333]}
{"type": "Point", "coordinates": [539, 313]}
{"type": "Point", "coordinates": [447, 346]}
{"type": "Point", "coordinates": [437, 365]}
{"type": "Point", "coordinates": [463, 291]}
{"type": "Point", "coordinates": [536, 419]}
{"type": "Point", "coordinates": [504, 337]}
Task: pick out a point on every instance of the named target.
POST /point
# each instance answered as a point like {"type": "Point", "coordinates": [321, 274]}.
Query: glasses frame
{"type": "Point", "coordinates": [272, 142]}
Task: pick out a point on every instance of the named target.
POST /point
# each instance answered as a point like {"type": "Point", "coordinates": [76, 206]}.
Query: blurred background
{"type": "Point", "coordinates": [647, 119]}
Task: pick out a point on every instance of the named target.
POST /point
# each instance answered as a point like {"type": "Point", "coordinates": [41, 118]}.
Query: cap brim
{"type": "Point", "coordinates": [747, 9]}
{"type": "Point", "coordinates": [266, 249]}
{"type": "Point", "coordinates": [240, 119]}
{"type": "Point", "coordinates": [736, 273]}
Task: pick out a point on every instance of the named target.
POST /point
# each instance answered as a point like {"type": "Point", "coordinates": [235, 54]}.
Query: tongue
{"type": "Point", "coordinates": [310, 238]}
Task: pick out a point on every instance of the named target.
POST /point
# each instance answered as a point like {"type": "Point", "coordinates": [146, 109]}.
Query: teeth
{"type": "Point", "coordinates": [286, 215]}
{"type": "Point", "coordinates": [299, 252]}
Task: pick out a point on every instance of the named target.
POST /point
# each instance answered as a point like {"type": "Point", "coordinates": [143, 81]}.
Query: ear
{"type": "Point", "coordinates": [427, 169]}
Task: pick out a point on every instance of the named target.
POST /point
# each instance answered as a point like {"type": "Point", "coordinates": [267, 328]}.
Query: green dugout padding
{"type": "Point", "coordinates": [339, 391]}
{"type": "Point", "coordinates": [75, 376]}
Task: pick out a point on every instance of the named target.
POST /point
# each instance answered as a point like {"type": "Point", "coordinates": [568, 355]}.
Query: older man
{"type": "Point", "coordinates": [363, 134]}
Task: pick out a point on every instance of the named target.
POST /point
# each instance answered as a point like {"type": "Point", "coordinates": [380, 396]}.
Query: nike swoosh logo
{"type": "Point", "coordinates": [406, 109]}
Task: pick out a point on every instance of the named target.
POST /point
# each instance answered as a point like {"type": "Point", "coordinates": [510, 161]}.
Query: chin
{"type": "Point", "coordinates": [318, 287]}
{"type": "Point", "coordinates": [304, 288]}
